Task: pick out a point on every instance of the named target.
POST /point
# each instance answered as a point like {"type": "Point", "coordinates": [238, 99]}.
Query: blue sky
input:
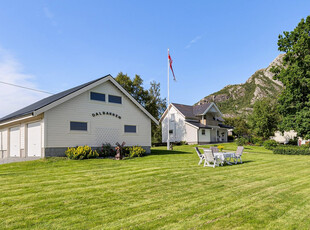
{"type": "Point", "coordinates": [55, 45]}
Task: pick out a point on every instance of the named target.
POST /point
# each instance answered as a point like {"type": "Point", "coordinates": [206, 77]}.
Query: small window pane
{"type": "Point", "coordinates": [81, 126]}
{"type": "Point", "coordinates": [170, 131]}
{"type": "Point", "coordinates": [97, 96]}
{"type": "Point", "coordinates": [203, 132]}
{"type": "Point", "coordinates": [130, 129]}
{"type": "Point", "coordinates": [115, 99]}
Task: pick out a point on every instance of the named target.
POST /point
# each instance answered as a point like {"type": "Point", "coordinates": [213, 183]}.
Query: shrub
{"type": "Point", "coordinates": [126, 151]}
{"type": "Point", "coordinates": [270, 144]}
{"type": "Point", "coordinates": [136, 151]}
{"type": "Point", "coordinates": [257, 141]}
{"type": "Point", "coordinates": [81, 152]}
{"type": "Point", "coordinates": [241, 141]}
{"type": "Point", "coordinates": [107, 150]}
{"type": "Point", "coordinates": [183, 143]}
{"type": "Point", "coordinates": [230, 138]}
{"type": "Point", "coordinates": [179, 143]}
{"type": "Point", "coordinates": [291, 150]}
{"type": "Point", "coordinates": [293, 141]}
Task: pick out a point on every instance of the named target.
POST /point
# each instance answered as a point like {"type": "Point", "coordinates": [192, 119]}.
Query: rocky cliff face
{"type": "Point", "coordinates": [239, 99]}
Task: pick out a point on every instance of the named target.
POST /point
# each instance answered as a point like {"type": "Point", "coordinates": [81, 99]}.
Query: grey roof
{"type": "Point", "coordinates": [192, 111]}
{"type": "Point", "coordinates": [200, 109]}
{"type": "Point", "coordinates": [46, 101]}
{"type": "Point", "coordinates": [198, 124]}
{"type": "Point", "coordinates": [226, 126]}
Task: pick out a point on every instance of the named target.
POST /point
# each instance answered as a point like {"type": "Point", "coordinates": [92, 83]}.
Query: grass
{"type": "Point", "coordinates": [166, 190]}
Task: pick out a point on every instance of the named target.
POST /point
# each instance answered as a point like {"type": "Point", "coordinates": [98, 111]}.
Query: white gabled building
{"type": "Point", "coordinates": [97, 112]}
{"type": "Point", "coordinates": [199, 124]}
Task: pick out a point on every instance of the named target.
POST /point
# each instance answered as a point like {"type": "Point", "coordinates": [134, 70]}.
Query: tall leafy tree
{"type": "Point", "coordinates": [150, 99]}
{"type": "Point", "coordinates": [294, 101]}
{"type": "Point", "coordinates": [265, 118]}
{"type": "Point", "coordinates": [155, 106]}
{"type": "Point", "coordinates": [241, 128]}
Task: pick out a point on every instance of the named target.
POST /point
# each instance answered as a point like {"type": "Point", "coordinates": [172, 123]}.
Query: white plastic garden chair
{"type": "Point", "coordinates": [214, 149]}
{"type": "Point", "coordinates": [210, 160]}
{"type": "Point", "coordinates": [238, 154]}
{"type": "Point", "coordinates": [201, 156]}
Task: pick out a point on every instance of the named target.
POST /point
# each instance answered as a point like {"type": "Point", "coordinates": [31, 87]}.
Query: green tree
{"type": "Point", "coordinates": [265, 118]}
{"type": "Point", "coordinates": [156, 106]}
{"type": "Point", "coordinates": [294, 101]}
{"type": "Point", "coordinates": [149, 99]}
{"type": "Point", "coordinates": [241, 128]}
{"type": "Point", "coordinates": [134, 87]}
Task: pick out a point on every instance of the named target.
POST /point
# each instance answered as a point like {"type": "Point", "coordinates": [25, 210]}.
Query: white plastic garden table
{"type": "Point", "coordinates": [225, 156]}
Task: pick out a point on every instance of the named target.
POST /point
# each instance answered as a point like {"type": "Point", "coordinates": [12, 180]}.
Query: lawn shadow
{"type": "Point", "coordinates": [167, 152]}
{"type": "Point", "coordinates": [243, 162]}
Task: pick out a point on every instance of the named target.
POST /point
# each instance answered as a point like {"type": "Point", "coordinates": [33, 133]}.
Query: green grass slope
{"type": "Point", "coordinates": [166, 190]}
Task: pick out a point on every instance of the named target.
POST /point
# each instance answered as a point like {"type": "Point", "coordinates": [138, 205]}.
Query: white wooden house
{"type": "Point", "coordinates": [97, 112]}
{"type": "Point", "coordinates": [199, 124]}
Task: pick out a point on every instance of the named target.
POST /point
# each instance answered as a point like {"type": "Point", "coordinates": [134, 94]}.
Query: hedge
{"type": "Point", "coordinates": [291, 150]}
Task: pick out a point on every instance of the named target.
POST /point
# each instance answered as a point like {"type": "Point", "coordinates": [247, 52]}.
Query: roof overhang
{"type": "Point", "coordinates": [6, 122]}
{"type": "Point", "coordinates": [191, 125]}
{"type": "Point", "coordinates": [213, 105]}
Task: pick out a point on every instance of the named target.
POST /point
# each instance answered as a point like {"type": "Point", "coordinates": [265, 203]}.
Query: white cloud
{"type": "Point", "coordinates": [14, 98]}
{"type": "Point", "coordinates": [196, 39]}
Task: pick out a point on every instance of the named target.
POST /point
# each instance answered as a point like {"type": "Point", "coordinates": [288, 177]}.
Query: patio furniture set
{"type": "Point", "coordinates": [213, 157]}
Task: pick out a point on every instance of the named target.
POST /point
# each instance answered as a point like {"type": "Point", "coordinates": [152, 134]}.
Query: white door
{"type": "Point", "coordinates": [15, 142]}
{"type": "Point", "coordinates": [34, 140]}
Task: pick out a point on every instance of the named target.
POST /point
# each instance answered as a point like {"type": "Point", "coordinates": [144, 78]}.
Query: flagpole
{"type": "Point", "coordinates": [168, 139]}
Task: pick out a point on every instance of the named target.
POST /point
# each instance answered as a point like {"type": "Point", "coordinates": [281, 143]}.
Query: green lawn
{"type": "Point", "coordinates": [166, 190]}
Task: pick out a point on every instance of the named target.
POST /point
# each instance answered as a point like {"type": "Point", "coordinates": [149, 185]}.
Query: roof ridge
{"type": "Point", "coordinates": [182, 104]}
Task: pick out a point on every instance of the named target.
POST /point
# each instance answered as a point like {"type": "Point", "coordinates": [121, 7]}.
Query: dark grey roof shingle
{"type": "Point", "coordinates": [46, 101]}
{"type": "Point", "coordinates": [186, 110]}
{"type": "Point", "coordinates": [192, 111]}
{"type": "Point", "coordinates": [200, 109]}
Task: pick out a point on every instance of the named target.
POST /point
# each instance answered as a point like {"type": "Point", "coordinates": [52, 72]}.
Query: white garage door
{"type": "Point", "coordinates": [34, 140]}
{"type": "Point", "coordinates": [15, 142]}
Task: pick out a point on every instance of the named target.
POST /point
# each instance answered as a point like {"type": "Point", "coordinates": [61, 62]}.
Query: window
{"type": "Point", "coordinates": [97, 96]}
{"type": "Point", "coordinates": [78, 126]}
{"type": "Point", "coordinates": [171, 131]}
{"type": "Point", "coordinates": [130, 129]}
{"type": "Point", "coordinates": [115, 99]}
{"type": "Point", "coordinates": [203, 132]}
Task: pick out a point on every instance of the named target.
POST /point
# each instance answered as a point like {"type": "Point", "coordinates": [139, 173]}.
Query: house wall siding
{"type": "Point", "coordinates": [191, 134]}
{"type": "Point", "coordinates": [205, 138]}
{"type": "Point", "coordinates": [101, 128]}
{"type": "Point", "coordinates": [178, 127]}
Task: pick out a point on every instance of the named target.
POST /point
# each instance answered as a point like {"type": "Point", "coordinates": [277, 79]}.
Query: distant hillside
{"type": "Point", "coordinates": [239, 99]}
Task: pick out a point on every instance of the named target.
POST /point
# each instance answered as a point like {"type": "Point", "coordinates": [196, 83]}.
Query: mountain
{"type": "Point", "coordinates": [238, 99]}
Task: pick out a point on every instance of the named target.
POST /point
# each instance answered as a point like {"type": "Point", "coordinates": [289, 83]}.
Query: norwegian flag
{"type": "Point", "coordinates": [170, 63]}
